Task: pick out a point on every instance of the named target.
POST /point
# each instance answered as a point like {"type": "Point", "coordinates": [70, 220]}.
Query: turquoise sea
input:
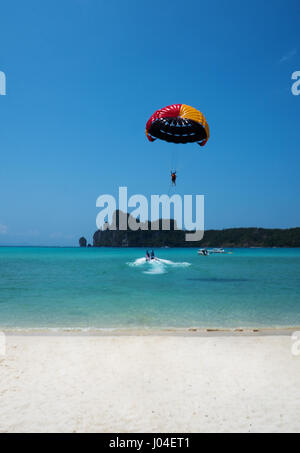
{"type": "Point", "coordinates": [115, 288]}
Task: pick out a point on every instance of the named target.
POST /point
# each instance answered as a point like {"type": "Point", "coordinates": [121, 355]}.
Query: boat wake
{"type": "Point", "coordinates": [156, 265]}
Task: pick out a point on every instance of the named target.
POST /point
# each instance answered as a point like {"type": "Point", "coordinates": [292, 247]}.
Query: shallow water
{"type": "Point", "coordinates": [117, 288]}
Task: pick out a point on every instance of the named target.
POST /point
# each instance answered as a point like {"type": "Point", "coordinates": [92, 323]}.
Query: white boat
{"type": "Point", "coordinates": [206, 252]}
{"type": "Point", "coordinates": [203, 252]}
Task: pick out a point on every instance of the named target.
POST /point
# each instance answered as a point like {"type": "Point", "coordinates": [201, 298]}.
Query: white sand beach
{"type": "Point", "coordinates": [149, 384]}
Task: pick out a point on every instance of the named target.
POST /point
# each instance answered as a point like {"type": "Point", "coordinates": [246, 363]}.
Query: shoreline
{"type": "Point", "coordinates": [143, 331]}
{"type": "Point", "coordinates": [143, 247]}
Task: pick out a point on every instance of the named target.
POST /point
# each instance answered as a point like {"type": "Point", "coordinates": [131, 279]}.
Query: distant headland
{"type": "Point", "coordinates": [230, 237]}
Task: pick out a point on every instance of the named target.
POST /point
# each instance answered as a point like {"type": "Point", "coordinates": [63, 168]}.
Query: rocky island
{"type": "Point", "coordinates": [150, 235]}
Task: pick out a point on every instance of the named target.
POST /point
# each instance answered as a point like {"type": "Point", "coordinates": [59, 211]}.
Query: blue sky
{"type": "Point", "coordinates": [83, 77]}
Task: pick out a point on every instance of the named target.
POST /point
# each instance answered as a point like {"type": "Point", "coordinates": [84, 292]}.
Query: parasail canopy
{"type": "Point", "coordinates": [178, 123]}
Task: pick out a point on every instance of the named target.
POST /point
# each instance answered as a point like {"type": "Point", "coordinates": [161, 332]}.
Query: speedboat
{"type": "Point", "coordinates": [203, 252]}
{"type": "Point", "coordinates": [217, 250]}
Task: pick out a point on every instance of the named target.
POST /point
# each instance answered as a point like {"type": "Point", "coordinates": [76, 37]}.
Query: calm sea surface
{"type": "Point", "coordinates": [108, 287]}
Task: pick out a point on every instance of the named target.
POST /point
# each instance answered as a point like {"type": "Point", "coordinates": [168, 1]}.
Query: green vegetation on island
{"type": "Point", "coordinates": [230, 237]}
